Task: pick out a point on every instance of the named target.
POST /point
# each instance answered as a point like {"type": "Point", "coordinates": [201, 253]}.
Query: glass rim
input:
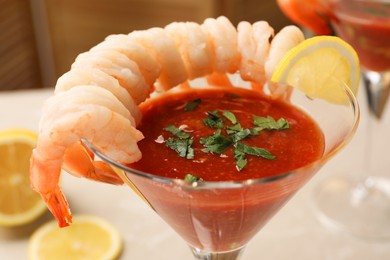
{"type": "Point", "coordinates": [248, 182]}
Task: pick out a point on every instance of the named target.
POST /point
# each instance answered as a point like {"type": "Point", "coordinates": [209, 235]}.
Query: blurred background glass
{"type": "Point", "coordinates": [357, 200]}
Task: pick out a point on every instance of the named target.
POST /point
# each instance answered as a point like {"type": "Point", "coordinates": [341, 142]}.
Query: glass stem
{"type": "Point", "coordinates": [205, 255]}
{"type": "Point", "coordinates": [377, 85]}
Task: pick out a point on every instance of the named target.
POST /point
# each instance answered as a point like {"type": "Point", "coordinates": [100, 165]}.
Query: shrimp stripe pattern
{"type": "Point", "coordinates": [97, 100]}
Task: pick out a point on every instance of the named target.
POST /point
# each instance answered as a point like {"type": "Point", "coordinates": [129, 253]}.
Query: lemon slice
{"type": "Point", "coordinates": [318, 66]}
{"type": "Point", "coordinates": [19, 204]}
{"type": "Point", "coordinates": [89, 237]}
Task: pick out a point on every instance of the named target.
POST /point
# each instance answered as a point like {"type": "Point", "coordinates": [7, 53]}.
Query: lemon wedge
{"type": "Point", "coordinates": [19, 204]}
{"type": "Point", "coordinates": [89, 237]}
{"type": "Point", "coordinates": [319, 66]}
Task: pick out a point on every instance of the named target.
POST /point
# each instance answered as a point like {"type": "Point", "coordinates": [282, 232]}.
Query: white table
{"type": "Point", "coordinates": [294, 233]}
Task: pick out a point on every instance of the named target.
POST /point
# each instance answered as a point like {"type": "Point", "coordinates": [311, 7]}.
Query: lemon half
{"type": "Point", "coordinates": [89, 237]}
{"type": "Point", "coordinates": [318, 66]}
{"type": "Point", "coordinates": [19, 204]}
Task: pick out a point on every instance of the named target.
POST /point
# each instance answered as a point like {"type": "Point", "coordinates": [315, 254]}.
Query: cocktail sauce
{"type": "Point", "coordinates": [298, 145]}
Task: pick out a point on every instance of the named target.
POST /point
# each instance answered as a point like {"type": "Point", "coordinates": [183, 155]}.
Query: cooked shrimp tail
{"type": "Point", "coordinates": [219, 80]}
{"type": "Point", "coordinates": [79, 161]}
{"type": "Point", "coordinates": [51, 194]}
{"type": "Point", "coordinates": [59, 207]}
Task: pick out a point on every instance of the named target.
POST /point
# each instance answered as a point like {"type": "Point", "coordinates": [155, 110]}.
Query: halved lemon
{"type": "Point", "coordinates": [89, 237]}
{"type": "Point", "coordinates": [19, 204]}
{"type": "Point", "coordinates": [318, 66]}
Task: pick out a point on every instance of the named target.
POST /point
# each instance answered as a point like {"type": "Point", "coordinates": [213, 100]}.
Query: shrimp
{"type": "Point", "coordinates": [194, 47]}
{"type": "Point", "coordinates": [97, 100]}
{"type": "Point", "coordinates": [94, 76]}
{"type": "Point", "coordinates": [284, 40]}
{"type": "Point", "coordinates": [88, 112]}
{"type": "Point", "coordinates": [287, 38]}
{"type": "Point", "coordinates": [163, 48]}
{"type": "Point", "coordinates": [138, 53]}
{"type": "Point", "coordinates": [118, 66]}
{"type": "Point", "coordinates": [223, 37]}
{"type": "Point", "coordinates": [253, 44]}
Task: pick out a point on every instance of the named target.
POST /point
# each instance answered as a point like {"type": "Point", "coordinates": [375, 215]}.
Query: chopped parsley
{"type": "Point", "coordinates": [225, 136]}
{"type": "Point", "coordinates": [216, 143]}
{"type": "Point", "coordinates": [182, 143]}
{"type": "Point", "coordinates": [240, 135]}
{"type": "Point", "coordinates": [190, 178]}
{"type": "Point", "coordinates": [177, 132]}
{"type": "Point", "coordinates": [229, 115]}
{"type": "Point", "coordinates": [241, 150]}
{"type": "Point", "coordinates": [241, 161]}
{"type": "Point", "coordinates": [213, 120]}
{"type": "Point", "coordinates": [234, 129]}
{"type": "Point", "coordinates": [268, 123]}
{"type": "Point", "coordinates": [190, 106]}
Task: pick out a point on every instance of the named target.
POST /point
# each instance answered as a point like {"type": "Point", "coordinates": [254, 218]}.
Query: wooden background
{"type": "Point", "coordinates": [18, 56]}
{"type": "Point", "coordinates": [41, 38]}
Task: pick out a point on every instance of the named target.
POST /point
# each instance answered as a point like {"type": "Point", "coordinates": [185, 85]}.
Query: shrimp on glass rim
{"type": "Point", "coordinates": [97, 100]}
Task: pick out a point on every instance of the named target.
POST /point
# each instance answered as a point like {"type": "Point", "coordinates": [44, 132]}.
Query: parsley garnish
{"type": "Point", "coordinates": [241, 135]}
{"type": "Point", "coordinates": [190, 178]}
{"type": "Point", "coordinates": [218, 142]}
{"type": "Point", "coordinates": [254, 151]}
{"type": "Point", "coordinates": [241, 150]}
{"type": "Point", "coordinates": [229, 115]}
{"type": "Point", "coordinates": [268, 123]}
{"type": "Point", "coordinates": [177, 132]}
{"type": "Point", "coordinates": [190, 106]}
{"type": "Point", "coordinates": [182, 143]}
{"type": "Point", "coordinates": [181, 146]}
{"type": "Point", "coordinates": [213, 120]}
{"type": "Point", "coordinates": [241, 161]}
{"type": "Point", "coordinates": [234, 129]}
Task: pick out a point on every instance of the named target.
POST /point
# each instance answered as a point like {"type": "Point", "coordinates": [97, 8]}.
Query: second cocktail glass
{"type": "Point", "coordinates": [360, 202]}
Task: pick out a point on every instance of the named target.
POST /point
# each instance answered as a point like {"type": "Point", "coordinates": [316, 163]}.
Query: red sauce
{"type": "Point", "coordinates": [366, 26]}
{"type": "Point", "coordinates": [223, 219]}
{"type": "Point", "coordinates": [294, 147]}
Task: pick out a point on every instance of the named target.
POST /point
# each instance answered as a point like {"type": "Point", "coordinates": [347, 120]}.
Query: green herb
{"type": "Point", "coordinates": [241, 135]}
{"type": "Point", "coordinates": [254, 151]}
{"type": "Point", "coordinates": [230, 116]}
{"type": "Point", "coordinates": [213, 120]}
{"type": "Point", "coordinates": [190, 106]}
{"type": "Point", "coordinates": [241, 161]}
{"type": "Point", "coordinates": [268, 123]}
{"type": "Point", "coordinates": [182, 144]}
{"type": "Point", "coordinates": [209, 139]}
{"type": "Point", "coordinates": [177, 132]}
{"type": "Point", "coordinates": [238, 132]}
{"type": "Point", "coordinates": [234, 129]}
{"type": "Point", "coordinates": [242, 149]}
{"type": "Point", "coordinates": [216, 143]}
{"type": "Point", "coordinates": [190, 178]}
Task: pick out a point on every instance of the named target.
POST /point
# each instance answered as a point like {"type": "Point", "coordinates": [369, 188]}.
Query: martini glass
{"type": "Point", "coordinates": [217, 219]}
{"type": "Point", "coordinates": [360, 202]}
